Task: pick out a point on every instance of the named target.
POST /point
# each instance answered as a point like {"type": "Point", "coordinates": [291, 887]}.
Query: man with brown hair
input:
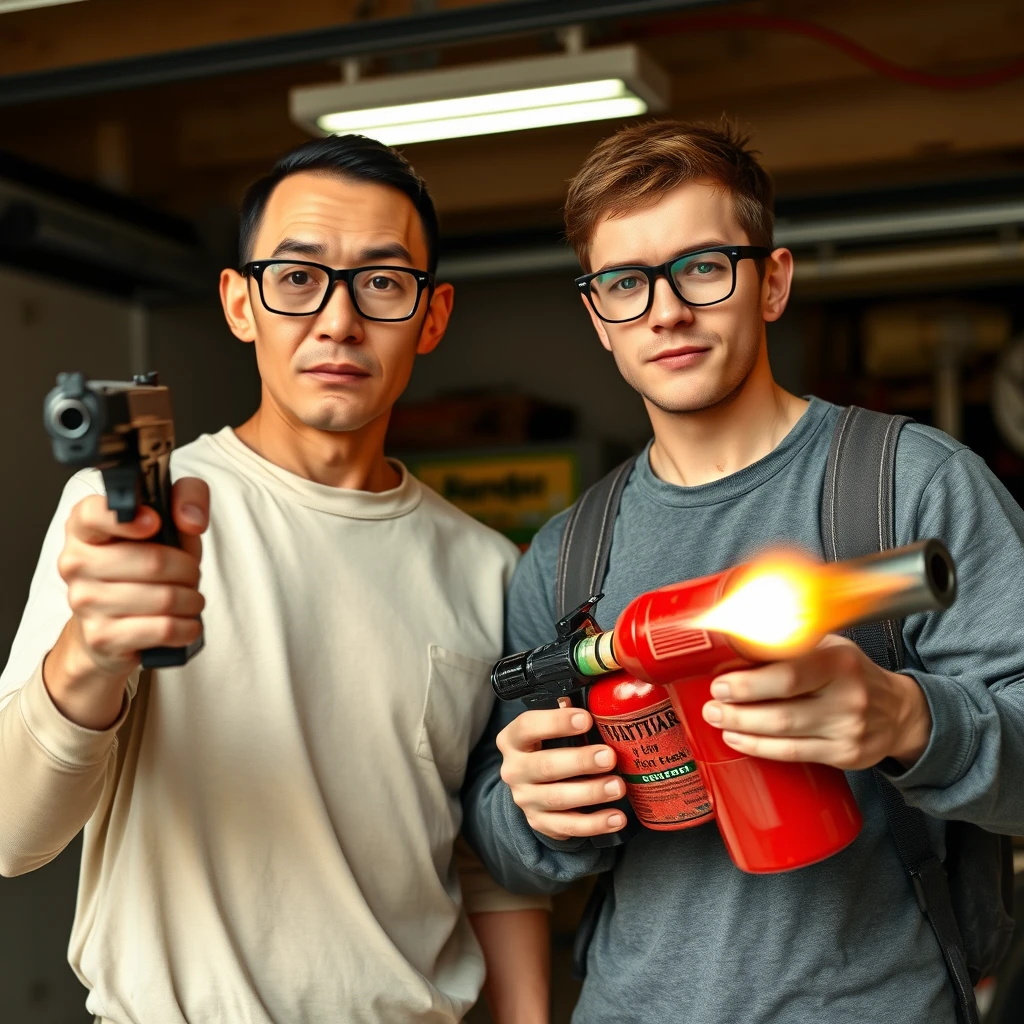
{"type": "Point", "coordinates": [673, 226]}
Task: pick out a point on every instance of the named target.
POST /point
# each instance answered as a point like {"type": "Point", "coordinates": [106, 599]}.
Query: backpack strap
{"type": "Point", "coordinates": [857, 518]}
{"type": "Point", "coordinates": [587, 540]}
{"type": "Point", "coordinates": [582, 564]}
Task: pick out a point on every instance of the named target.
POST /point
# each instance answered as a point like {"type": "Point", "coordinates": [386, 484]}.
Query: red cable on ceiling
{"type": "Point", "coordinates": [795, 26]}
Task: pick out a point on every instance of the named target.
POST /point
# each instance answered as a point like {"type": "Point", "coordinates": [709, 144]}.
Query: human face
{"type": "Point", "coordinates": [682, 358]}
{"type": "Point", "coordinates": [335, 370]}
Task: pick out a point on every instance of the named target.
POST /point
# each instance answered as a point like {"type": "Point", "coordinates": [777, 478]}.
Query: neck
{"type": "Point", "coordinates": [692, 448]}
{"type": "Point", "coordinates": [350, 459]}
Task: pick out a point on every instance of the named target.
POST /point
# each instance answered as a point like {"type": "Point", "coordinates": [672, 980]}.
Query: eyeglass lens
{"type": "Point", "coordinates": [387, 294]}
{"type": "Point", "coordinates": [701, 279]}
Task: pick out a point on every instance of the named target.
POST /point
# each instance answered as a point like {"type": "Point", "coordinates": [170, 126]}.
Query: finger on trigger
{"type": "Point", "coordinates": [92, 522]}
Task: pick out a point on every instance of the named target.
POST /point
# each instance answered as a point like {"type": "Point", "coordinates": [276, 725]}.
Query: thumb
{"type": "Point", "coordinates": [190, 505]}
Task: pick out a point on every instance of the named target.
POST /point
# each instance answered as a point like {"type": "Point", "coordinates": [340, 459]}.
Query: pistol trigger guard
{"type": "Point", "coordinates": [122, 485]}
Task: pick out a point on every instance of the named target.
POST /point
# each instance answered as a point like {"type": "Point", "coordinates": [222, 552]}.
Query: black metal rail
{"type": "Point", "coordinates": [385, 35]}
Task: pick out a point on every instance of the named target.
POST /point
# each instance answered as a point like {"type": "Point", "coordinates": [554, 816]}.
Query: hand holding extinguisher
{"type": "Point", "coordinates": [773, 815]}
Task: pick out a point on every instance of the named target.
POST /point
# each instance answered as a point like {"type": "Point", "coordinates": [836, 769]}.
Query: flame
{"type": "Point", "coordinates": [784, 602]}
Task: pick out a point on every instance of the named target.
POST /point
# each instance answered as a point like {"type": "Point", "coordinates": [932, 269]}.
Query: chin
{"type": "Point", "coordinates": [689, 396]}
{"type": "Point", "coordinates": [335, 420]}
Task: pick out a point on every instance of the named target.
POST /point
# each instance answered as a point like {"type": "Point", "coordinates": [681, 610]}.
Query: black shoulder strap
{"type": "Point", "coordinates": [857, 509]}
{"type": "Point", "coordinates": [587, 540]}
{"type": "Point", "coordinates": [857, 518]}
{"type": "Point", "coordinates": [582, 564]}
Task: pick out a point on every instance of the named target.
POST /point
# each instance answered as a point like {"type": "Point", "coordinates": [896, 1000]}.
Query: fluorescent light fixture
{"type": "Point", "coordinates": [7, 6]}
{"type": "Point", "coordinates": [485, 99]}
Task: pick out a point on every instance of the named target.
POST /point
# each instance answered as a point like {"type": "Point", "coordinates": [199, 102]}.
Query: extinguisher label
{"type": "Point", "coordinates": [662, 780]}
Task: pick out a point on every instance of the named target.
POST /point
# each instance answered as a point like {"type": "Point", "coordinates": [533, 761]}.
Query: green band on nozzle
{"type": "Point", "coordinates": [595, 655]}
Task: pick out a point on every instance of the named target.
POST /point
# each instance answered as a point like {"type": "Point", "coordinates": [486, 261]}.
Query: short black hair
{"type": "Point", "coordinates": [347, 156]}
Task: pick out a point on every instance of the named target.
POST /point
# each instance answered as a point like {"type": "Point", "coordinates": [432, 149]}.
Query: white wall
{"type": "Point", "coordinates": [43, 329]}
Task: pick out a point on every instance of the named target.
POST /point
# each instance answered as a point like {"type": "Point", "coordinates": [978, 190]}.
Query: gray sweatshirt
{"type": "Point", "coordinates": [685, 935]}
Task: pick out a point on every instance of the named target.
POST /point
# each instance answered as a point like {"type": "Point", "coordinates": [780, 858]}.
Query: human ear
{"type": "Point", "coordinates": [234, 298]}
{"type": "Point", "coordinates": [436, 321]}
{"type": "Point", "coordinates": [598, 323]}
{"type": "Point", "coordinates": [775, 288]}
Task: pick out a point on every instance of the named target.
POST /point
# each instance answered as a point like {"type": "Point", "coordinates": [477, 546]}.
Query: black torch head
{"type": "Point", "coordinates": [509, 677]}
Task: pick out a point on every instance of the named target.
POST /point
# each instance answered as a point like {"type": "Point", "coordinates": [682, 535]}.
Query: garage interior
{"type": "Point", "coordinates": [129, 131]}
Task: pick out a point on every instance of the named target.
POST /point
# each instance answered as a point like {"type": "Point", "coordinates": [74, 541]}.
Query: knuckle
{"type": "Point", "coordinates": [152, 562]}
{"type": "Point", "coordinates": [80, 597]}
{"type": "Point", "coordinates": [165, 632]}
{"type": "Point", "coordinates": [848, 755]}
{"type": "Point", "coordinates": [859, 699]}
{"type": "Point", "coordinates": [858, 729]}
{"type": "Point", "coordinates": [165, 601]}
{"type": "Point", "coordinates": [846, 660]}
{"type": "Point", "coordinates": [740, 689]}
{"type": "Point", "coordinates": [547, 770]}
{"type": "Point", "coordinates": [551, 799]}
{"type": "Point", "coordinates": [69, 563]}
{"type": "Point", "coordinates": [790, 680]}
{"type": "Point", "coordinates": [96, 634]}
{"type": "Point", "coordinates": [791, 750]}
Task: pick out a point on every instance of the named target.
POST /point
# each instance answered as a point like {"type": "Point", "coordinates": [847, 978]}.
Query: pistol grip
{"type": "Point", "coordinates": [127, 489]}
{"type": "Point", "coordinates": [171, 657]}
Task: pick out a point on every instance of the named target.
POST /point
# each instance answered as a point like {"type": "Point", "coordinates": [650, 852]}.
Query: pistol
{"type": "Point", "coordinates": [126, 430]}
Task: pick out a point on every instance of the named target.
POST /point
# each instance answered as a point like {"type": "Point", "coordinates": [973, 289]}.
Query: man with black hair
{"type": "Point", "coordinates": [270, 831]}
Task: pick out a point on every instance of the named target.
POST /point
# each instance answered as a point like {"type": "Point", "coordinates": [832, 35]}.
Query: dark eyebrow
{"type": "Point", "coordinates": [294, 245]}
{"type": "Point", "coordinates": [394, 251]}
{"type": "Point", "coordinates": [709, 244]}
{"type": "Point", "coordinates": [318, 251]}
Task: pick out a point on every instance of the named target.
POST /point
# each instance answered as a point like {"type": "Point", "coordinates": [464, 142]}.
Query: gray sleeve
{"type": "Point", "coordinates": [969, 660]}
{"type": "Point", "coordinates": [518, 858]}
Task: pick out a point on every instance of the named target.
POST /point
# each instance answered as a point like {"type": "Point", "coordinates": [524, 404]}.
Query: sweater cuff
{"type": "Point", "coordinates": [65, 742]}
{"type": "Point", "coordinates": [953, 743]}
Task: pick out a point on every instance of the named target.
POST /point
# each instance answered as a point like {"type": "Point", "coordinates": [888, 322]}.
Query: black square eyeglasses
{"type": "Point", "coordinates": [703, 277]}
{"type": "Point", "coordinates": [300, 288]}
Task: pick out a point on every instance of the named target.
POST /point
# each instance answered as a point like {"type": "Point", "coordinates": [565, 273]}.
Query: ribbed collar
{"type": "Point", "coordinates": [746, 479]}
{"type": "Point", "coordinates": [336, 501]}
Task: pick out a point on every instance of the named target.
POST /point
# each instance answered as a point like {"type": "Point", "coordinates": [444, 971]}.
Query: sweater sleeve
{"type": "Point", "coordinates": [52, 771]}
{"type": "Point", "coordinates": [969, 660]}
{"type": "Point", "coordinates": [519, 858]}
{"type": "Point", "coordinates": [481, 894]}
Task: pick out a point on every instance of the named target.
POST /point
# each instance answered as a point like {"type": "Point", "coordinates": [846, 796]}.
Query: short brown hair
{"type": "Point", "coordinates": [637, 165]}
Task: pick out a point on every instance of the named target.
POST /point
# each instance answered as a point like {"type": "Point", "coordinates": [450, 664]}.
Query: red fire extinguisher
{"type": "Point", "coordinates": [653, 756]}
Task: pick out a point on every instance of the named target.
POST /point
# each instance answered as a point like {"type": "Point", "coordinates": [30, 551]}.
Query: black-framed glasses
{"type": "Point", "coordinates": [300, 288]}
{"type": "Point", "coordinates": [699, 278]}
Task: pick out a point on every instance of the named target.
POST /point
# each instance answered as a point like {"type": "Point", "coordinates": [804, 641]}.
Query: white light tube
{"type": "Point", "coordinates": [489, 114]}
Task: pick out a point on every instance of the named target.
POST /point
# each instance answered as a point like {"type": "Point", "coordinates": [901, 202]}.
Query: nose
{"type": "Point", "coordinates": [667, 309]}
{"type": "Point", "coordinates": [339, 320]}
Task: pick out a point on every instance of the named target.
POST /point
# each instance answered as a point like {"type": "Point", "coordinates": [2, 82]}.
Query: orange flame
{"type": "Point", "coordinates": [784, 602]}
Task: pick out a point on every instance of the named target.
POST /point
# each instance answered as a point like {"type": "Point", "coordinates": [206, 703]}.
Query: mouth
{"type": "Point", "coordinates": [339, 373]}
{"type": "Point", "coordinates": [682, 355]}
